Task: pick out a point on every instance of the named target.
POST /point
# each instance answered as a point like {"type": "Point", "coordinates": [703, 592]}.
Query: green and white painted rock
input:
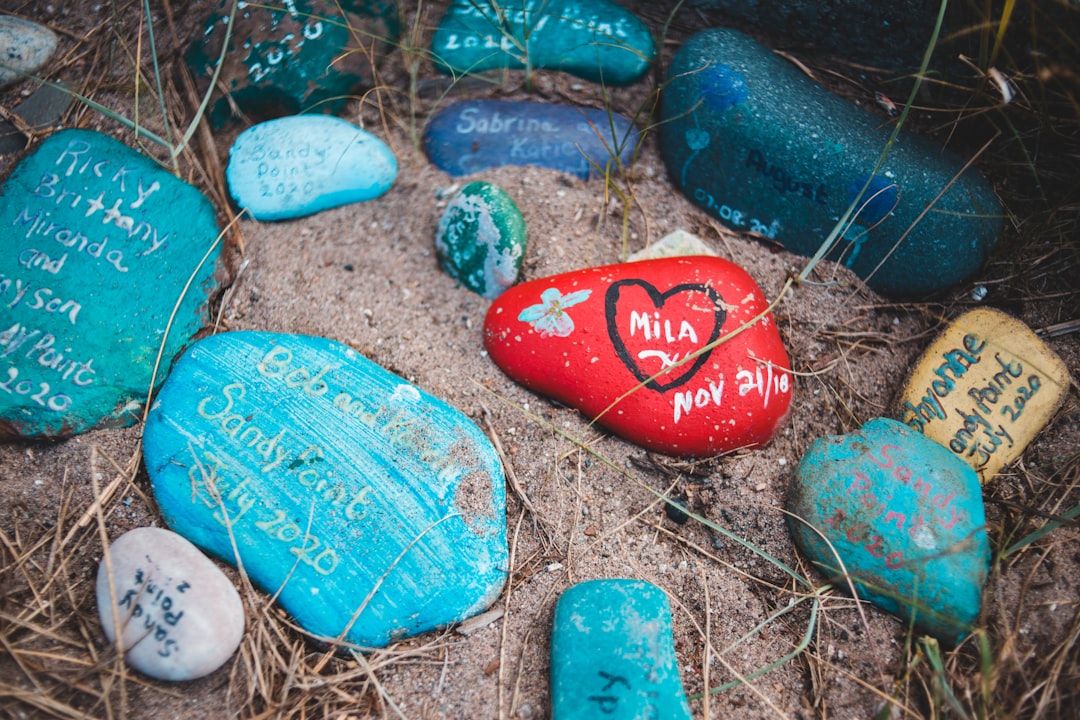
{"type": "Point", "coordinates": [903, 517]}
{"type": "Point", "coordinates": [613, 656]}
{"type": "Point", "coordinates": [300, 56]}
{"type": "Point", "coordinates": [481, 239]}
{"type": "Point", "coordinates": [595, 39]}
{"type": "Point", "coordinates": [24, 48]}
{"type": "Point", "coordinates": [761, 147]}
{"type": "Point", "coordinates": [100, 246]}
{"type": "Point", "coordinates": [984, 389]}
{"type": "Point", "coordinates": [370, 509]}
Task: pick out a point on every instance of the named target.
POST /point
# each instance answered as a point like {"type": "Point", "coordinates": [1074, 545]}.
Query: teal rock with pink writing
{"type": "Point", "coordinates": [292, 57]}
{"type": "Point", "coordinates": [612, 654]}
{"type": "Point", "coordinates": [369, 509]}
{"type": "Point", "coordinates": [295, 166]}
{"type": "Point", "coordinates": [903, 517]}
{"type": "Point", "coordinates": [102, 247]}
{"type": "Point", "coordinates": [752, 140]}
{"type": "Point", "coordinates": [596, 39]}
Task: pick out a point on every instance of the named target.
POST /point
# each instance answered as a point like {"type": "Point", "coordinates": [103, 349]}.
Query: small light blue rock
{"type": "Point", "coordinates": [99, 247]}
{"type": "Point", "coordinates": [370, 509]}
{"type": "Point", "coordinates": [595, 39]}
{"type": "Point", "coordinates": [480, 241]}
{"type": "Point", "coordinates": [906, 519]}
{"type": "Point", "coordinates": [299, 165]}
{"type": "Point", "coordinates": [613, 655]}
{"type": "Point", "coordinates": [475, 135]}
{"type": "Point", "coordinates": [24, 48]}
{"type": "Point", "coordinates": [761, 147]}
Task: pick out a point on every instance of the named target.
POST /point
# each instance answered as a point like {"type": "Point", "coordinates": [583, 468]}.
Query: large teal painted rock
{"type": "Point", "coordinates": [99, 247]}
{"type": "Point", "coordinates": [481, 239]}
{"type": "Point", "coordinates": [758, 145]}
{"type": "Point", "coordinates": [370, 509]}
{"type": "Point", "coordinates": [476, 135]}
{"type": "Point", "coordinates": [905, 517]}
{"type": "Point", "coordinates": [292, 57]}
{"type": "Point", "coordinates": [613, 656]}
{"type": "Point", "coordinates": [596, 39]}
{"type": "Point", "coordinates": [299, 165]}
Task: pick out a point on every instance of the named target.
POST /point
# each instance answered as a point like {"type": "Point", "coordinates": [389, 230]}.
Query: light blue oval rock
{"type": "Point", "coordinates": [761, 147]}
{"type": "Point", "coordinates": [299, 165]}
{"type": "Point", "coordinates": [906, 519]}
{"type": "Point", "coordinates": [24, 48]}
{"type": "Point", "coordinates": [595, 39]}
{"type": "Point", "coordinates": [100, 245]}
{"type": "Point", "coordinates": [613, 655]}
{"type": "Point", "coordinates": [480, 241]}
{"type": "Point", "coordinates": [475, 135]}
{"type": "Point", "coordinates": [370, 509]}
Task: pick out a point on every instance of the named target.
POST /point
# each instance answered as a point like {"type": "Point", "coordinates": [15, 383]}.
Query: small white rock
{"type": "Point", "coordinates": [24, 48]}
{"type": "Point", "coordinates": [182, 617]}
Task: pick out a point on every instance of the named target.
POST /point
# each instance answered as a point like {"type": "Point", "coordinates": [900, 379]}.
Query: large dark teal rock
{"type": "Point", "coordinates": [369, 509]}
{"type": "Point", "coordinates": [761, 147]}
{"type": "Point", "coordinates": [476, 135]}
{"type": "Point", "coordinates": [300, 56]}
{"type": "Point", "coordinates": [99, 247]}
{"type": "Point", "coordinates": [613, 656]}
{"type": "Point", "coordinates": [903, 517]}
{"type": "Point", "coordinates": [595, 39]}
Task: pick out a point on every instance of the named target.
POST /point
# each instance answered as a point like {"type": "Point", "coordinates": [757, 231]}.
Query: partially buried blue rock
{"type": "Point", "coordinates": [763, 148]}
{"type": "Point", "coordinates": [612, 654]}
{"type": "Point", "coordinates": [475, 135]}
{"type": "Point", "coordinates": [903, 517]}
{"type": "Point", "coordinates": [100, 247]}
{"type": "Point", "coordinates": [299, 165]}
{"type": "Point", "coordinates": [370, 509]}
{"type": "Point", "coordinates": [595, 39]}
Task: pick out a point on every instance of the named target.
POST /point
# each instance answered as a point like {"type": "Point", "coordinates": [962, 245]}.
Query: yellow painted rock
{"type": "Point", "coordinates": [984, 389]}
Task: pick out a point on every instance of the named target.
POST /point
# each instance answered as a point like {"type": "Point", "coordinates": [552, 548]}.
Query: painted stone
{"type": "Point", "coordinates": [300, 56]}
{"type": "Point", "coordinates": [626, 345]}
{"type": "Point", "coordinates": [299, 165]}
{"type": "Point", "coordinates": [613, 655]}
{"type": "Point", "coordinates": [905, 517]}
{"type": "Point", "coordinates": [481, 239]}
{"type": "Point", "coordinates": [369, 509]}
{"type": "Point", "coordinates": [475, 135]}
{"type": "Point", "coordinates": [758, 145]}
{"type": "Point", "coordinates": [101, 246]}
{"type": "Point", "coordinates": [181, 617]}
{"type": "Point", "coordinates": [675, 244]}
{"type": "Point", "coordinates": [24, 48]}
{"type": "Point", "coordinates": [985, 388]}
{"type": "Point", "coordinates": [596, 39]}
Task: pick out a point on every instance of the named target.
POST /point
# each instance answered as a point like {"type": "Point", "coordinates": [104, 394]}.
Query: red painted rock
{"type": "Point", "coordinates": [634, 346]}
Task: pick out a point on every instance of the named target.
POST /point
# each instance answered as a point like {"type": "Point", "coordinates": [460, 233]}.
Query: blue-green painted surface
{"type": "Point", "coordinates": [906, 519]}
{"type": "Point", "coordinates": [480, 240]}
{"type": "Point", "coordinates": [368, 507]}
{"type": "Point", "coordinates": [99, 247]}
{"type": "Point", "coordinates": [613, 656]}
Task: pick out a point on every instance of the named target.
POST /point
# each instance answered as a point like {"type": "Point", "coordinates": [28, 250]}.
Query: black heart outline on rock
{"type": "Point", "coordinates": [611, 301]}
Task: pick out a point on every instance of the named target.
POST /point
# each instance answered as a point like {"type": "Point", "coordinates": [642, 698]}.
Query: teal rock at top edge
{"type": "Point", "coordinates": [100, 247]}
{"type": "Point", "coordinates": [292, 57]}
{"type": "Point", "coordinates": [596, 40]}
{"type": "Point", "coordinates": [480, 240]}
{"type": "Point", "coordinates": [761, 147]}
{"type": "Point", "coordinates": [369, 508]}
{"type": "Point", "coordinates": [906, 518]}
{"type": "Point", "coordinates": [613, 655]}
{"type": "Point", "coordinates": [299, 165]}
